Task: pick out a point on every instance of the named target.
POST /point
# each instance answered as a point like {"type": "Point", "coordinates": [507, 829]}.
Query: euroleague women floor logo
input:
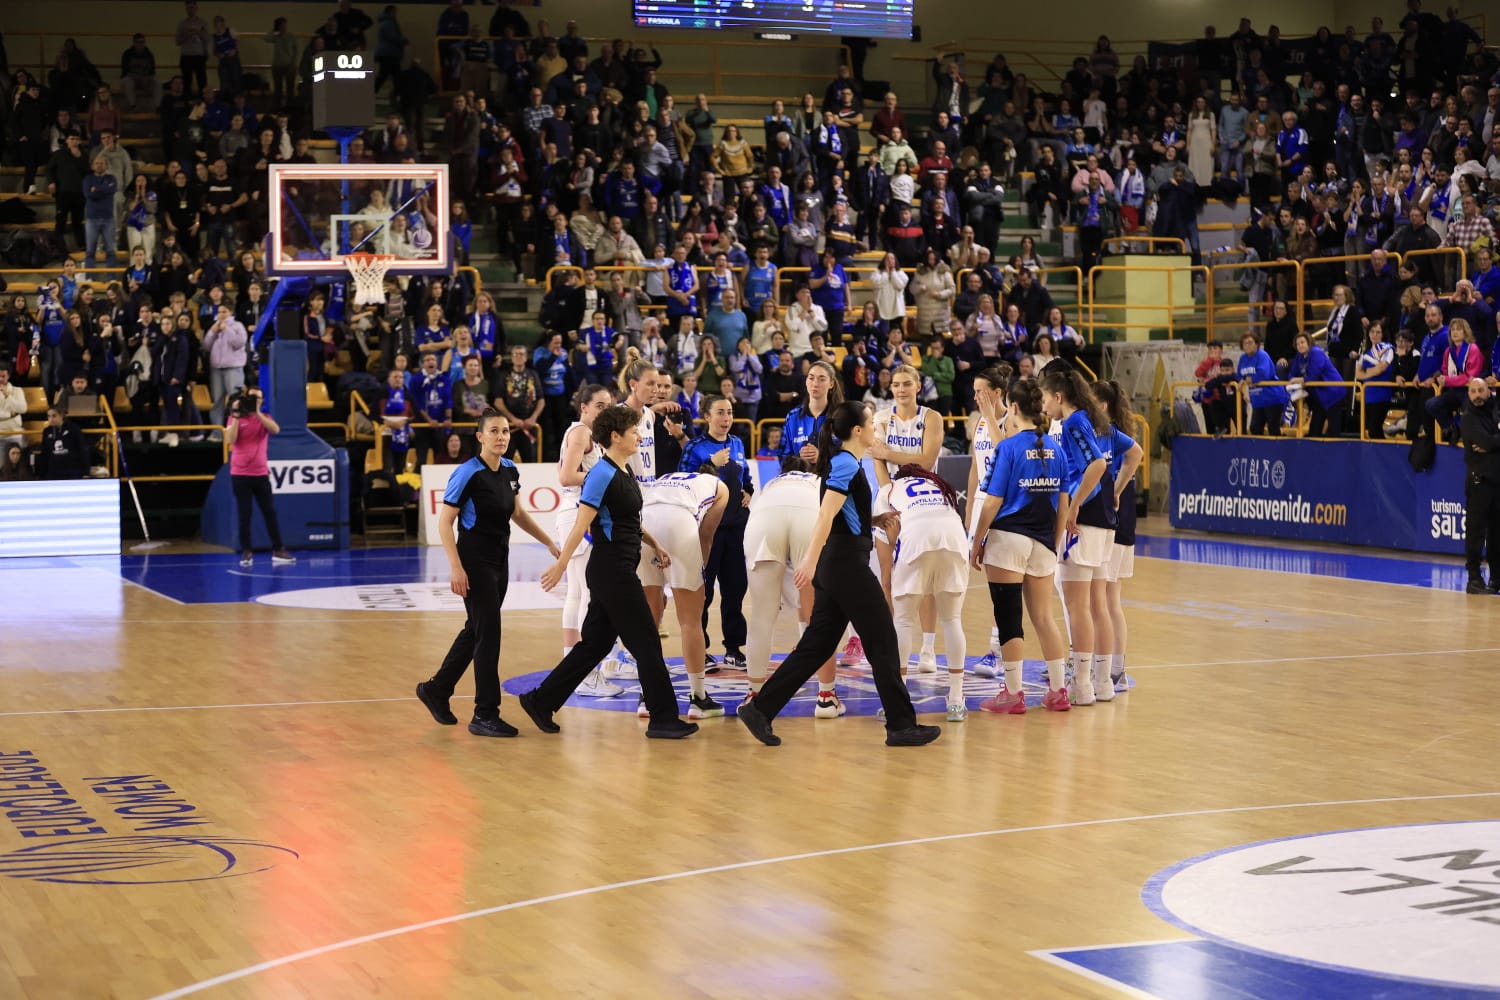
{"type": "Point", "coordinates": [141, 860]}
{"type": "Point", "coordinates": [77, 848]}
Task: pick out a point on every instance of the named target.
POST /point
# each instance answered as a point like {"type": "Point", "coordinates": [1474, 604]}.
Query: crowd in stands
{"type": "Point", "coordinates": [656, 227]}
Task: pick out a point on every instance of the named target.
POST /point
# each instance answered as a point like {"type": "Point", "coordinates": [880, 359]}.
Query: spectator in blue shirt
{"type": "Point", "coordinates": [727, 324]}
{"type": "Point", "coordinates": [433, 403]}
{"type": "Point", "coordinates": [1291, 146]}
{"type": "Point", "coordinates": [1266, 404]}
{"type": "Point", "coordinates": [99, 223]}
{"type": "Point", "coordinates": [830, 286]}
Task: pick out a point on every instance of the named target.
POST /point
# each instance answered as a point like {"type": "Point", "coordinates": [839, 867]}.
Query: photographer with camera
{"type": "Point", "coordinates": [248, 433]}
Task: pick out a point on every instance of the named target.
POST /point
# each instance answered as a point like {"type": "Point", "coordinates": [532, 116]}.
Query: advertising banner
{"type": "Point", "coordinates": [540, 496]}
{"type": "Point", "coordinates": [1318, 491]}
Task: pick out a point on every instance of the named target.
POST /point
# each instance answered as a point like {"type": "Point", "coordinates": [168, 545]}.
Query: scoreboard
{"type": "Point", "coordinates": [343, 91]}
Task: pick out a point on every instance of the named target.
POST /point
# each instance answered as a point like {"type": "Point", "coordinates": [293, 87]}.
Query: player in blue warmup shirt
{"type": "Point", "coordinates": [719, 453]}
{"type": "Point", "coordinates": [1015, 543]}
{"type": "Point", "coordinates": [609, 510]}
{"type": "Point", "coordinates": [1089, 532]}
{"type": "Point", "coordinates": [481, 499]}
{"type": "Point", "coordinates": [1125, 457]}
{"type": "Point", "coordinates": [825, 390]}
{"type": "Point", "coordinates": [844, 590]}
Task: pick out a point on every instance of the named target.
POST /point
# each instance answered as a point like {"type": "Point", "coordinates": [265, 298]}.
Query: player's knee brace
{"type": "Point", "coordinates": [1007, 600]}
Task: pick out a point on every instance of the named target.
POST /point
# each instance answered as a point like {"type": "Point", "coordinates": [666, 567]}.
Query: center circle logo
{"type": "Point", "coordinates": [1416, 903]}
{"type": "Point", "coordinates": [141, 860]}
{"type": "Point", "coordinates": [521, 595]}
{"type": "Point", "coordinates": [1278, 474]}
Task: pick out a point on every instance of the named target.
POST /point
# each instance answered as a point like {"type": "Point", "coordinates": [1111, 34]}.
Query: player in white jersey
{"type": "Point", "coordinates": [930, 560]}
{"type": "Point", "coordinates": [682, 511]}
{"type": "Point", "coordinates": [578, 455]}
{"type": "Point", "coordinates": [638, 384]}
{"type": "Point", "coordinates": [989, 429]}
{"type": "Point", "coordinates": [907, 433]}
{"type": "Point", "coordinates": [776, 539]}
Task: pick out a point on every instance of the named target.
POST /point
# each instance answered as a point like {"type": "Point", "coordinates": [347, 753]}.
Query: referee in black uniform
{"type": "Point", "coordinates": [1481, 439]}
{"type": "Point", "coordinates": [481, 497]}
{"type": "Point", "coordinates": [610, 502]}
{"type": "Point", "coordinates": [844, 591]}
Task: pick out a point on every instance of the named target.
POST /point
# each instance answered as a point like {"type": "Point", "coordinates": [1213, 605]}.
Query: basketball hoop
{"type": "Point", "coordinates": [368, 271]}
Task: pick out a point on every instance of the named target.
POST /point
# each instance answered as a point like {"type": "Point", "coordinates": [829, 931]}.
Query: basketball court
{"type": "Point", "coordinates": [217, 781]}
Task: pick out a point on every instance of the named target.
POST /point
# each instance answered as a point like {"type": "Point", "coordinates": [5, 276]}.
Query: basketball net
{"type": "Point", "coordinates": [368, 271]}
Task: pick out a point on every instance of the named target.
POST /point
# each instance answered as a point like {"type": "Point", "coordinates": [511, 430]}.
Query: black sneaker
{"type": "Point", "coordinates": [672, 729]}
{"type": "Point", "coordinates": [916, 736]}
{"type": "Point", "coordinates": [542, 719]}
{"type": "Point", "coordinates": [1477, 586]}
{"type": "Point", "coordinates": [755, 720]}
{"type": "Point", "coordinates": [492, 727]}
{"type": "Point", "coordinates": [704, 708]}
{"type": "Point", "coordinates": [710, 663]}
{"type": "Point", "coordinates": [441, 714]}
{"type": "Point", "coordinates": [733, 661]}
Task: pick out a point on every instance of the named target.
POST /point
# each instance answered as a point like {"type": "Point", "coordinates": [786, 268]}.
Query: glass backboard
{"type": "Point", "coordinates": [321, 211]}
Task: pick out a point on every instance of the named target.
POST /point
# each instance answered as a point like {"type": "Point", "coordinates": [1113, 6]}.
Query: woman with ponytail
{"type": "Point", "coordinates": [1021, 512]}
{"type": "Point", "coordinates": [1088, 533]}
{"type": "Point", "coordinates": [638, 385]}
{"type": "Point", "coordinates": [989, 429]}
{"type": "Point", "coordinates": [579, 454]}
{"type": "Point", "coordinates": [837, 563]}
{"type": "Point", "coordinates": [908, 433]}
{"type": "Point", "coordinates": [1125, 457]}
{"type": "Point", "coordinates": [928, 566]}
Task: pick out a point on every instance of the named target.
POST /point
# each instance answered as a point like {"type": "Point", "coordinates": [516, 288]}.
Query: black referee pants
{"type": "Point", "coordinates": [479, 640]}
{"type": "Point", "coordinates": [845, 592]}
{"type": "Point", "coordinates": [1481, 525]}
{"type": "Point", "coordinates": [726, 564]}
{"type": "Point", "coordinates": [617, 608]}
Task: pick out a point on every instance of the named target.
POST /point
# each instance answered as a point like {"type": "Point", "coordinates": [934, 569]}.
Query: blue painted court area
{"type": "Point", "coordinates": [1434, 572]}
{"type": "Point", "coordinates": [1205, 970]}
{"type": "Point", "coordinates": [351, 580]}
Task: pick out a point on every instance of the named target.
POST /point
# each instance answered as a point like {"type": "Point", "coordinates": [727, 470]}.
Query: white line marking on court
{"type": "Point", "coordinates": [276, 963]}
{"type": "Point", "coordinates": [1311, 659]}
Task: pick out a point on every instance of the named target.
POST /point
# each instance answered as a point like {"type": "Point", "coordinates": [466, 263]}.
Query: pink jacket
{"type": "Point", "coordinates": [1081, 181]}
{"type": "Point", "coordinates": [1473, 364]}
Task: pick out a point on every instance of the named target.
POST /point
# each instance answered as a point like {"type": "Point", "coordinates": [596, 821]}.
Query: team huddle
{"type": "Point", "coordinates": [866, 567]}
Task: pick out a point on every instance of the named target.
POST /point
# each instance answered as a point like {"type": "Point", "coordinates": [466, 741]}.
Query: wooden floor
{"type": "Point", "coordinates": [430, 863]}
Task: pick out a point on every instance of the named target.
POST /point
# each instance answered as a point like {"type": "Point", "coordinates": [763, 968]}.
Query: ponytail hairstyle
{"type": "Point", "coordinates": [1075, 392]}
{"type": "Point", "coordinates": [998, 375]}
{"type": "Point", "coordinates": [914, 471]}
{"type": "Point", "coordinates": [586, 392]}
{"type": "Point", "coordinates": [634, 368]}
{"type": "Point", "coordinates": [1025, 397]}
{"type": "Point", "coordinates": [1116, 404]}
{"type": "Point", "coordinates": [835, 384]}
{"type": "Point", "coordinates": [838, 424]}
